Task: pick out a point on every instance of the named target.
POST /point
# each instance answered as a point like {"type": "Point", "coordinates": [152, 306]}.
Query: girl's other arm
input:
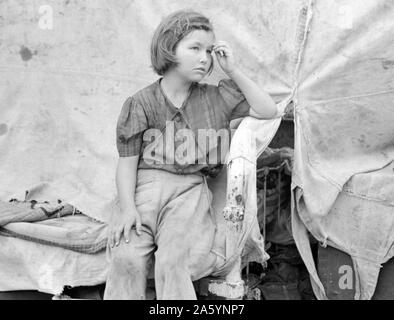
{"type": "Point", "coordinates": [126, 179]}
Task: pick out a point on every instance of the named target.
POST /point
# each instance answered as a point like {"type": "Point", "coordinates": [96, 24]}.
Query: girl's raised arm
{"type": "Point", "coordinates": [262, 105]}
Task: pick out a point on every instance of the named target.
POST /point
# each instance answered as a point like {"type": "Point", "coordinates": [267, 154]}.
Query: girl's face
{"type": "Point", "coordinates": [193, 54]}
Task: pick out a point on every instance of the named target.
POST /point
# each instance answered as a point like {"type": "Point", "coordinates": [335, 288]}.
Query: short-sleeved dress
{"type": "Point", "coordinates": [150, 112]}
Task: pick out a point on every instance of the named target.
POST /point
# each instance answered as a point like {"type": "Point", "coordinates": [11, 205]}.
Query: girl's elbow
{"type": "Point", "coordinates": [272, 111]}
{"type": "Point", "coordinates": [275, 112]}
{"type": "Point", "coordinates": [267, 113]}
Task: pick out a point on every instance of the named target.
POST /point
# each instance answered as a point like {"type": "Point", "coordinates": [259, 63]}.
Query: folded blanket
{"type": "Point", "coordinates": [59, 225]}
{"type": "Point", "coordinates": [78, 233]}
{"type": "Point", "coordinates": [32, 211]}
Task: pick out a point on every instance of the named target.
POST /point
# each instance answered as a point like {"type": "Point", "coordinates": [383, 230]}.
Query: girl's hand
{"type": "Point", "coordinates": [225, 57]}
{"type": "Point", "coordinates": [122, 224]}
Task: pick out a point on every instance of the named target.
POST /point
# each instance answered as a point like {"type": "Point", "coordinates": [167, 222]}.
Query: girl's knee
{"type": "Point", "coordinates": [169, 261]}
{"type": "Point", "coordinates": [126, 255]}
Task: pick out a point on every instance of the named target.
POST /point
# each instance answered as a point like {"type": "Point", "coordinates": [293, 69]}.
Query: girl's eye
{"type": "Point", "coordinates": [209, 51]}
{"type": "Point", "coordinates": [195, 48]}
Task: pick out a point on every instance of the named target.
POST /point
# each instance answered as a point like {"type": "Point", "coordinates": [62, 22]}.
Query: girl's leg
{"type": "Point", "coordinates": [184, 238]}
{"type": "Point", "coordinates": [130, 262]}
{"type": "Point", "coordinates": [129, 267]}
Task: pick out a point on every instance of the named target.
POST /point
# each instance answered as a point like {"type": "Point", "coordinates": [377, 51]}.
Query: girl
{"type": "Point", "coordinates": [163, 195]}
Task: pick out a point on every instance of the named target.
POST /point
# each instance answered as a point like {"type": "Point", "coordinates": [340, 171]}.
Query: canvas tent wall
{"type": "Point", "coordinates": [67, 67]}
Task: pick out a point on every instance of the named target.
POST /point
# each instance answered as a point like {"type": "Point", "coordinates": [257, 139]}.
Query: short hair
{"type": "Point", "coordinates": [170, 31]}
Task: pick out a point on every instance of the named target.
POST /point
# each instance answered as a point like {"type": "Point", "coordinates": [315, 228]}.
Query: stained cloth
{"type": "Point", "coordinates": [344, 136]}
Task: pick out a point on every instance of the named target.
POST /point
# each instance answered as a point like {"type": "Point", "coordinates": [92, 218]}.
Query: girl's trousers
{"type": "Point", "coordinates": [177, 237]}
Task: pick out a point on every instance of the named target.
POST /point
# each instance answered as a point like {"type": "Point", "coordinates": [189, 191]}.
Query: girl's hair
{"type": "Point", "coordinates": [171, 30]}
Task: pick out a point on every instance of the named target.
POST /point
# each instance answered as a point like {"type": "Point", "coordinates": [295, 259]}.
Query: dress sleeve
{"type": "Point", "coordinates": [234, 98]}
{"type": "Point", "coordinates": [132, 123]}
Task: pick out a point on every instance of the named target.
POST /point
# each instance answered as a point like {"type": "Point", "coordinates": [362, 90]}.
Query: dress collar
{"type": "Point", "coordinates": [192, 85]}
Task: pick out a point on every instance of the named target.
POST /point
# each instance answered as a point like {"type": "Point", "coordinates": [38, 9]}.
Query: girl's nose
{"type": "Point", "coordinates": [204, 58]}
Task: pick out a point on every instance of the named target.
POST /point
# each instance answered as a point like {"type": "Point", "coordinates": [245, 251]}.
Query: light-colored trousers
{"type": "Point", "coordinates": [178, 232]}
